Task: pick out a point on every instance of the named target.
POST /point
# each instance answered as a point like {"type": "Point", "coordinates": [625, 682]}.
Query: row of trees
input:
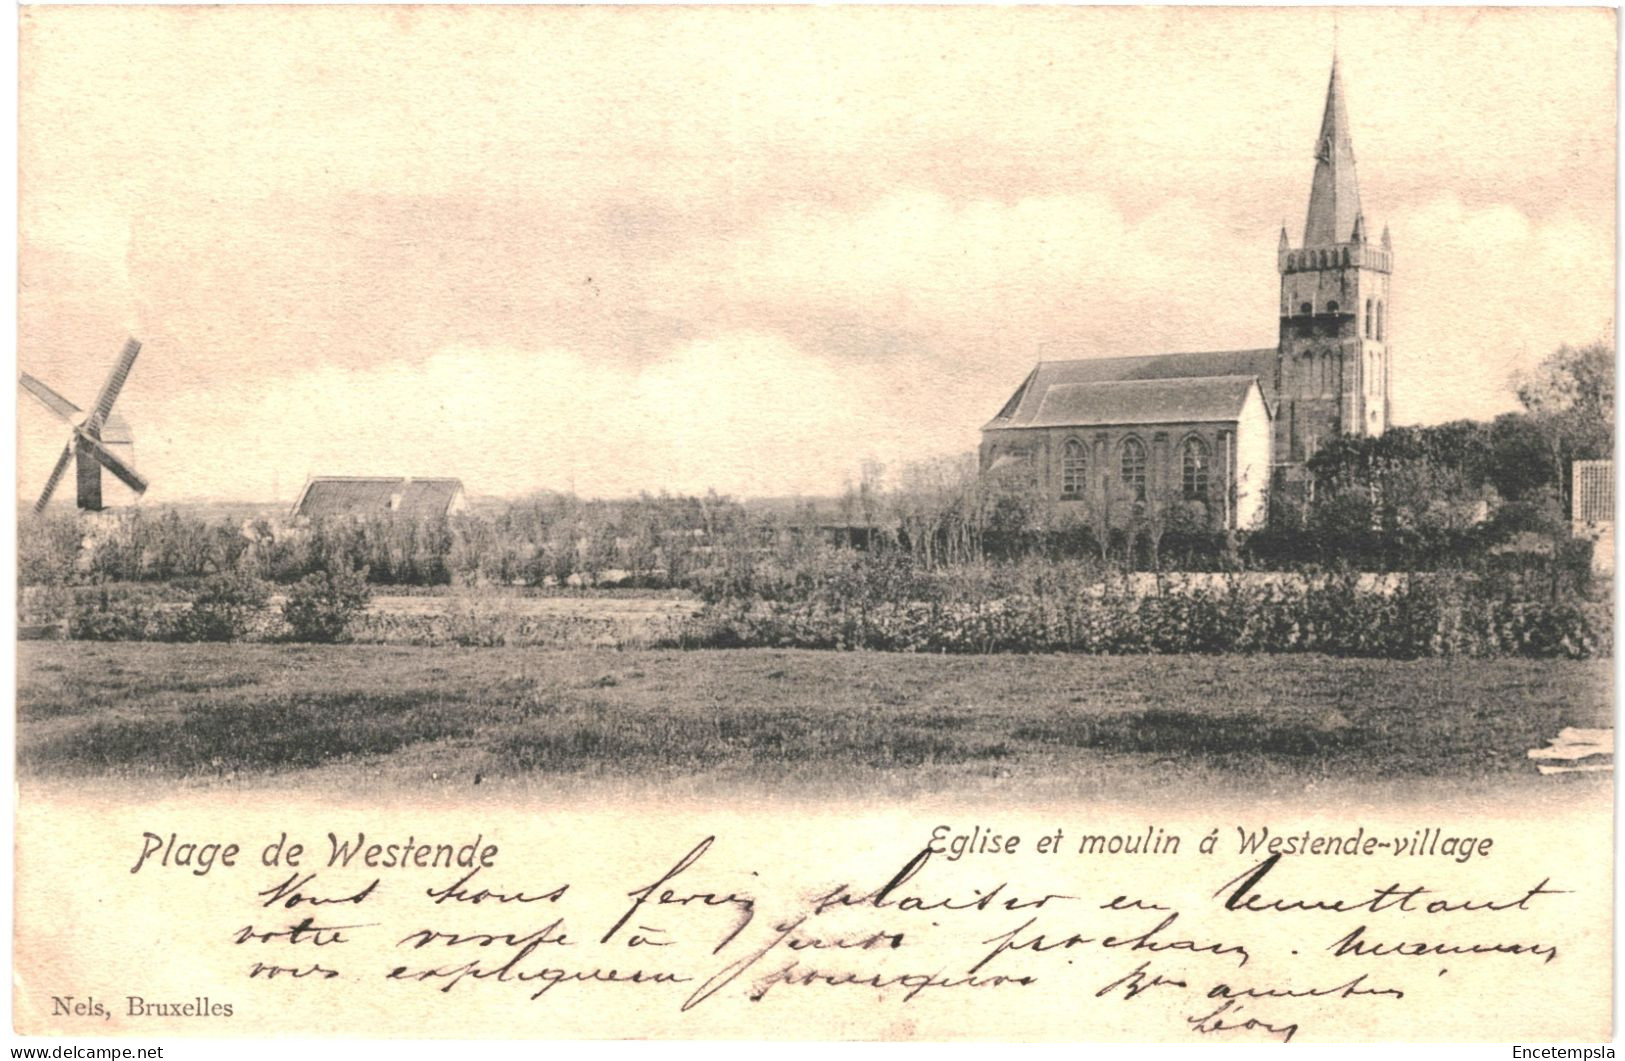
{"type": "Point", "coordinates": [1415, 497]}
{"type": "Point", "coordinates": [550, 539]}
{"type": "Point", "coordinates": [1514, 472]}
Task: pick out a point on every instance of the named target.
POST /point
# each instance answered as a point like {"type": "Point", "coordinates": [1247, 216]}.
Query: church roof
{"type": "Point", "coordinates": [1190, 400]}
{"type": "Point", "coordinates": [1166, 404]}
{"type": "Point", "coordinates": [1334, 197]}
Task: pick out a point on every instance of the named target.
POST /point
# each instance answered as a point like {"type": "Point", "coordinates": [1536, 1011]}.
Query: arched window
{"type": "Point", "coordinates": [1368, 318]}
{"type": "Point", "coordinates": [1379, 322]}
{"type": "Point", "coordinates": [1134, 468]}
{"type": "Point", "coordinates": [1074, 469]}
{"type": "Point", "coordinates": [1331, 307]}
{"type": "Point", "coordinates": [1195, 461]}
{"type": "Point", "coordinates": [1307, 308]}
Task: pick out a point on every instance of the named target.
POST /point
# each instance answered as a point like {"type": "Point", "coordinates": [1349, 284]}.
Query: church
{"type": "Point", "coordinates": [1204, 438]}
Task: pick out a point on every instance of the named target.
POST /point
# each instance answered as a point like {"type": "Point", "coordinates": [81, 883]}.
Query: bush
{"type": "Point", "coordinates": [110, 615]}
{"type": "Point", "coordinates": [224, 608]}
{"type": "Point", "coordinates": [1048, 607]}
{"type": "Point", "coordinates": [44, 606]}
{"type": "Point", "coordinates": [47, 549]}
{"type": "Point", "coordinates": [321, 607]}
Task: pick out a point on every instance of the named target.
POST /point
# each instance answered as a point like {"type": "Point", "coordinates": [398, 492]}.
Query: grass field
{"type": "Point", "coordinates": [366, 717]}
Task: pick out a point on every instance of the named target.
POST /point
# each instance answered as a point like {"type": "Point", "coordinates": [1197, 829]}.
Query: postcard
{"type": "Point", "coordinates": [816, 523]}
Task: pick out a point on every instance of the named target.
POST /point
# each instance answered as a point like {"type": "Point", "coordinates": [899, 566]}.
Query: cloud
{"type": "Point", "coordinates": [824, 337]}
{"type": "Point", "coordinates": [988, 285]}
{"type": "Point", "coordinates": [744, 413]}
{"type": "Point", "coordinates": [686, 247]}
{"type": "Point", "coordinates": [1481, 292]}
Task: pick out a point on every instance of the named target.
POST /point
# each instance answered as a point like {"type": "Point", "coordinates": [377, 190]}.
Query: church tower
{"type": "Point", "coordinates": [1333, 363]}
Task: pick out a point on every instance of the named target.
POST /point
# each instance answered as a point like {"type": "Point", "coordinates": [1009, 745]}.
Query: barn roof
{"type": "Point", "coordinates": [429, 497]}
{"type": "Point", "coordinates": [1164, 403]}
{"type": "Point", "coordinates": [363, 495]}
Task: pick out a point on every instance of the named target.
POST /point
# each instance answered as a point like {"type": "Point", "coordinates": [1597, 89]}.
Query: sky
{"type": "Point", "coordinates": [611, 250]}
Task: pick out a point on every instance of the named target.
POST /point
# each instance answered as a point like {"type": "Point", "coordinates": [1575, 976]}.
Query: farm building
{"type": "Point", "coordinates": [1127, 439]}
{"type": "Point", "coordinates": [326, 496]}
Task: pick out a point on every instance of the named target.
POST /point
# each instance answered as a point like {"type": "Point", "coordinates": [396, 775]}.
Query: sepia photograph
{"type": "Point", "coordinates": [863, 522]}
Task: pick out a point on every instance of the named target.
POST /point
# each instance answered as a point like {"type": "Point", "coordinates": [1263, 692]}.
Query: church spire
{"type": "Point", "coordinates": [1334, 198]}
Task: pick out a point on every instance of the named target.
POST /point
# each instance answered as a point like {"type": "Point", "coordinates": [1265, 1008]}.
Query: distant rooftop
{"type": "Point", "coordinates": [365, 495]}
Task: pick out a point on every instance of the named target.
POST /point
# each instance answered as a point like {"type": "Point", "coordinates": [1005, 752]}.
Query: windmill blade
{"type": "Point", "coordinates": [49, 398]}
{"type": "Point", "coordinates": [57, 473]}
{"type": "Point", "coordinates": [126, 474]}
{"type": "Point", "coordinates": [110, 389]}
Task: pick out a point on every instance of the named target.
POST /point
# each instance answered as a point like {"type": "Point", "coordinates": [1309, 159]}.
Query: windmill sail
{"type": "Point", "coordinates": [86, 449]}
{"type": "Point", "coordinates": [57, 473]}
{"type": "Point", "coordinates": [50, 398]}
{"type": "Point", "coordinates": [110, 389]}
{"type": "Point", "coordinates": [126, 474]}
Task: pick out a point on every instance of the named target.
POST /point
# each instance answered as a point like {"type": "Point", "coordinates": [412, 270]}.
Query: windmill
{"type": "Point", "coordinates": [89, 446]}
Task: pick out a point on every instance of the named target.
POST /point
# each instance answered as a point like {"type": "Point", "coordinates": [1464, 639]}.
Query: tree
{"type": "Point", "coordinates": [936, 506]}
{"type": "Point", "coordinates": [1519, 468]}
{"type": "Point", "coordinates": [1570, 398]}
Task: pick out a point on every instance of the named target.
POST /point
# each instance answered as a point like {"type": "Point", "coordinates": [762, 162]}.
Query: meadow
{"type": "Point", "coordinates": [372, 718]}
{"type": "Point", "coordinates": [688, 644]}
